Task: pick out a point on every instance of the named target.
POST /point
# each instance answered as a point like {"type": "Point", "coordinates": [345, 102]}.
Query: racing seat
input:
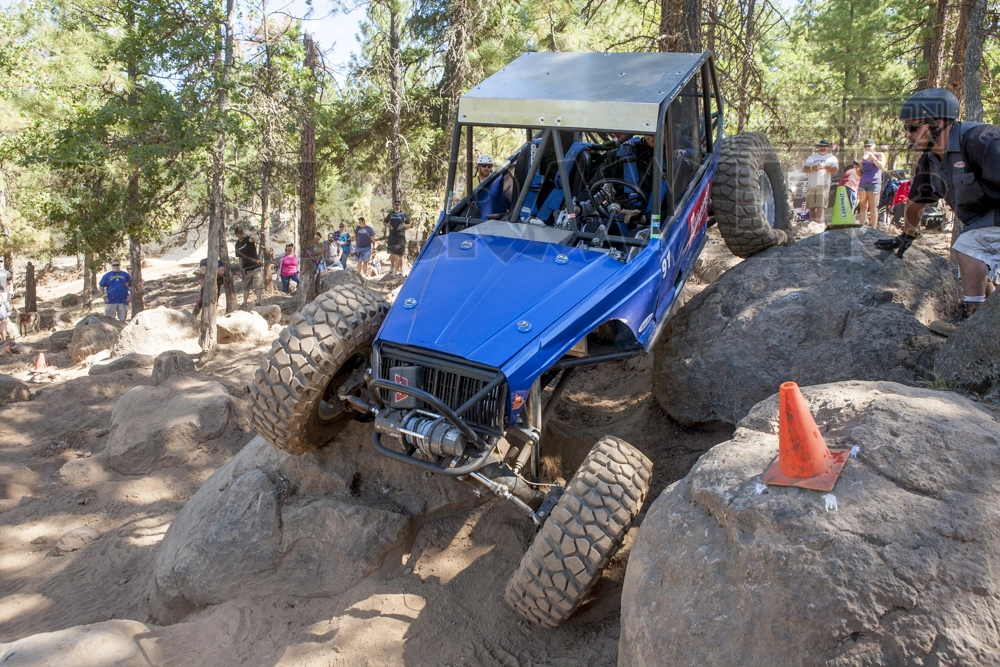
{"type": "Point", "coordinates": [545, 194]}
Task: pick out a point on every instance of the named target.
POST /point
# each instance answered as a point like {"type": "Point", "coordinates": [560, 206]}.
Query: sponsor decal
{"type": "Point", "coordinates": [400, 396]}
{"type": "Point", "coordinates": [519, 398]}
{"type": "Point", "coordinates": [960, 165]}
{"type": "Point", "coordinates": [645, 322]}
{"type": "Point", "coordinates": [698, 217]}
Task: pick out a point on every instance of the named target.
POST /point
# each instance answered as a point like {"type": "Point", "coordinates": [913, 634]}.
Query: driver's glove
{"type": "Point", "coordinates": [900, 244]}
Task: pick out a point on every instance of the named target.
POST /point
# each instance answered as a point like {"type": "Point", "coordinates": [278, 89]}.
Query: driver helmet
{"type": "Point", "coordinates": [484, 159]}
{"type": "Point", "coordinates": [930, 104]}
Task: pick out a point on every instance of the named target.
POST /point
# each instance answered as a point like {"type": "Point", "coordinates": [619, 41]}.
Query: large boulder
{"type": "Point", "coordinates": [157, 330]}
{"type": "Point", "coordinates": [154, 427]}
{"type": "Point", "coordinates": [60, 340]}
{"type": "Point", "coordinates": [970, 359]}
{"type": "Point", "coordinates": [331, 279]}
{"type": "Point", "coordinates": [94, 333]}
{"type": "Point", "coordinates": [271, 313]}
{"type": "Point", "coordinates": [129, 361]}
{"type": "Point", "coordinates": [239, 326]}
{"type": "Point", "coordinates": [13, 390]}
{"type": "Point", "coordinates": [170, 363]}
{"type": "Point", "coordinates": [894, 567]}
{"type": "Point", "coordinates": [269, 522]}
{"type": "Point", "coordinates": [825, 309]}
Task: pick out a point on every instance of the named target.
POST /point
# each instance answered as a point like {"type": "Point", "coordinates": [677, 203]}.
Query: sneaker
{"type": "Point", "coordinates": [948, 327]}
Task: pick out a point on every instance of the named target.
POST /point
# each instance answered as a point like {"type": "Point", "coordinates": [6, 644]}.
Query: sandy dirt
{"type": "Point", "coordinates": [440, 604]}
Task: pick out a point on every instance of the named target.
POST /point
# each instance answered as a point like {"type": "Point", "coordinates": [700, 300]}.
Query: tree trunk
{"type": "Point", "coordinates": [88, 271]}
{"type": "Point", "coordinates": [935, 59]}
{"type": "Point", "coordinates": [456, 61]}
{"type": "Point", "coordinates": [395, 105]}
{"type": "Point", "coordinates": [208, 335]}
{"type": "Point", "coordinates": [132, 221]}
{"type": "Point", "coordinates": [265, 225]}
{"type": "Point", "coordinates": [972, 79]}
{"type": "Point", "coordinates": [135, 258]}
{"type": "Point", "coordinates": [30, 299]}
{"type": "Point", "coordinates": [680, 26]}
{"type": "Point", "coordinates": [8, 251]}
{"type": "Point", "coordinates": [956, 75]}
{"type": "Point", "coordinates": [232, 300]}
{"type": "Point", "coordinates": [307, 178]}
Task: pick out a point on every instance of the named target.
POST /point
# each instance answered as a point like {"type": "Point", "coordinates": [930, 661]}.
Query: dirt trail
{"type": "Point", "coordinates": [440, 605]}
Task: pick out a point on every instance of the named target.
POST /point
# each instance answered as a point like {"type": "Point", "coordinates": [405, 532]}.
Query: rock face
{"type": "Point", "coordinates": [271, 313]}
{"type": "Point", "coordinates": [241, 326]}
{"type": "Point", "coordinates": [13, 390]}
{"type": "Point", "coordinates": [158, 426]}
{"type": "Point", "coordinates": [60, 340]}
{"type": "Point", "coordinates": [332, 279]}
{"type": "Point", "coordinates": [311, 525]}
{"type": "Point", "coordinates": [970, 359]}
{"type": "Point", "coordinates": [893, 568]}
{"type": "Point", "coordinates": [108, 644]}
{"type": "Point", "coordinates": [155, 331]}
{"type": "Point", "coordinates": [714, 260]}
{"type": "Point", "coordinates": [71, 301]}
{"type": "Point", "coordinates": [91, 335]}
{"type": "Point", "coordinates": [122, 363]}
{"type": "Point", "coordinates": [826, 309]}
{"type": "Point", "coordinates": [171, 362]}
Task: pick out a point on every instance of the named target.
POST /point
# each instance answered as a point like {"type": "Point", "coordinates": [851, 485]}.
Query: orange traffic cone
{"type": "Point", "coordinates": [803, 457]}
{"type": "Point", "coordinates": [40, 366]}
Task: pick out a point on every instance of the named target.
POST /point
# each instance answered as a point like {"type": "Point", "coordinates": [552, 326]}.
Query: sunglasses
{"type": "Point", "coordinates": [913, 127]}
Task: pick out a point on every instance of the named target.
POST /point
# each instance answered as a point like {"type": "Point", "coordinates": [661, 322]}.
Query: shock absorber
{"type": "Point", "coordinates": [430, 433]}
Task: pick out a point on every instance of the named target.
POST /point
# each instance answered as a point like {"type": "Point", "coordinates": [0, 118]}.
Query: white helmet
{"type": "Point", "coordinates": [484, 159]}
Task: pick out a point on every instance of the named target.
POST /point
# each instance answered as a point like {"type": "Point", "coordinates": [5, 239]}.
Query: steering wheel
{"type": "Point", "coordinates": [602, 200]}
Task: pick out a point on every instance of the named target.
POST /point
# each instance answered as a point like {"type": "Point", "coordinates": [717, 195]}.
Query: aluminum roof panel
{"type": "Point", "coordinates": [615, 92]}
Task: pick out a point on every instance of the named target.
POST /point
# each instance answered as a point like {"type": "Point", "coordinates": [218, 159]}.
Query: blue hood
{"type": "Point", "coordinates": [469, 301]}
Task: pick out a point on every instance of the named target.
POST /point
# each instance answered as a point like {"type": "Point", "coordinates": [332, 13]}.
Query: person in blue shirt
{"type": "Point", "coordinates": [344, 237]}
{"type": "Point", "coordinates": [115, 287]}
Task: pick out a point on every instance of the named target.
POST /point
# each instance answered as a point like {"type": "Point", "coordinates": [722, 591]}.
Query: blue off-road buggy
{"type": "Point", "coordinates": [572, 253]}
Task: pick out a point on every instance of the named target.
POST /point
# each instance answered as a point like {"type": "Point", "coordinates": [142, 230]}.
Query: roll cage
{"type": "Point", "coordinates": [538, 86]}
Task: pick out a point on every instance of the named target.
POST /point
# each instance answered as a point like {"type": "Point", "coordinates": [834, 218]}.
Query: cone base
{"type": "Point", "coordinates": [821, 482]}
{"type": "Point", "coordinates": [844, 226]}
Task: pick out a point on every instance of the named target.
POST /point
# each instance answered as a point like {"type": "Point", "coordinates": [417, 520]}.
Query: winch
{"type": "Point", "coordinates": [430, 433]}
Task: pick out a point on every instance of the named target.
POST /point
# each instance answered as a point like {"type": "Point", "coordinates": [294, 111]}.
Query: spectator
{"type": "Point", "coordinates": [959, 164]}
{"type": "Point", "coordinates": [819, 166]}
{"type": "Point", "coordinates": [870, 185]}
{"type": "Point", "coordinates": [331, 250]}
{"type": "Point", "coordinates": [363, 238]}
{"type": "Point", "coordinates": [5, 277]}
{"type": "Point", "coordinates": [115, 286]}
{"type": "Point", "coordinates": [316, 252]}
{"type": "Point", "coordinates": [396, 224]}
{"type": "Point", "coordinates": [288, 267]}
{"type": "Point", "coordinates": [850, 181]}
{"type": "Point", "coordinates": [253, 275]}
{"type": "Point", "coordinates": [344, 237]}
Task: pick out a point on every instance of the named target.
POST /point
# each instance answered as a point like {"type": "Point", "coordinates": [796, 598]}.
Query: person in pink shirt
{"type": "Point", "coordinates": [850, 179]}
{"type": "Point", "coordinates": [288, 267]}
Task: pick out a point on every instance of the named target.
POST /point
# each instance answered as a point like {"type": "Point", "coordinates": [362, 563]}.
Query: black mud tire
{"type": "Point", "coordinates": [750, 219]}
{"type": "Point", "coordinates": [582, 533]}
{"type": "Point", "coordinates": [322, 345]}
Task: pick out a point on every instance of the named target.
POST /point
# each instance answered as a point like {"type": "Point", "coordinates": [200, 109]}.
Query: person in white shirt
{"type": "Point", "coordinates": [819, 167]}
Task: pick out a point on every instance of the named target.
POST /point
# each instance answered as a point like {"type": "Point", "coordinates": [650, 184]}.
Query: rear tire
{"type": "Point", "coordinates": [325, 342]}
{"type": "Point", "coordinates": [585, 528]}
{"type": "Point", "coordinates": [749, 196]}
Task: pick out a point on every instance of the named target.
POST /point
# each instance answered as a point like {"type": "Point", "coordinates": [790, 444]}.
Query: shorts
{"type": "Point", "coordinates": [873, 188]}
{"type": "Point", "coordinates": [364, 254]}
{"type": "Point", "coordinates": [818, 196]}
{"type": "Point", "coordinates": [253, 279]}
{"type": "Point", "coordinates": [396, 247]}
{"type": "Point", "coordinates": [983, 244]}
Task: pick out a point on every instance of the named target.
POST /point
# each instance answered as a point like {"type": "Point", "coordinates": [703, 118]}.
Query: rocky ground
{"type": "Point", "coordinates": [78, 539]}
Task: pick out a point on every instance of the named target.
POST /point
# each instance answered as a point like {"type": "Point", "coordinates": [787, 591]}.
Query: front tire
{"type": "Point", "coordinates": [748, 195]}
{"type": "Point", "coordinates": [585, 528]}
{"type": "Point", "coordinates": [323, 345]}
